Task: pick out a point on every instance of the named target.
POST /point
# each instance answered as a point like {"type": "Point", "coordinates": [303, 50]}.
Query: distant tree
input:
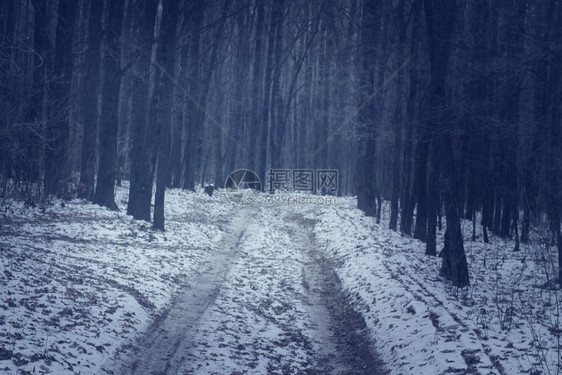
{"type": "Point", "coordinates": [264, 125]}
{"type": "Point", "coordinates": [257, 83]}
{"type": "Point", "coordinates": [192, 78]}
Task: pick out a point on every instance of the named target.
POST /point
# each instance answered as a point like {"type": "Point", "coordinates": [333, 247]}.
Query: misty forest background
{"type": "Point", "coordinates": [442, 107]}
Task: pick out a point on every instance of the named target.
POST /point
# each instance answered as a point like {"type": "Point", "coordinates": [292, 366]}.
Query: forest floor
{"type": "Point", "coordinates": [263, 288]}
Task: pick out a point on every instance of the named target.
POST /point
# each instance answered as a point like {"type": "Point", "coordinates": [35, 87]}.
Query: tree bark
{"type": "Point", "coordinates": [257, 85]}
{"type": "Point", "coordinates": [407, 208]}
{"type": "Point", "coordinates": [42, 63]}
{"type": "Point", "coordinates": [401, 31]}
{"type": "Point", "coordinates": [512, 44]}
{"type": "Point", "coordinates": [58, 127]}
{"type": "Point", "coordinates": [90, 99]}
{"type": "Point", "coordinates": [440, 20]}
{"type": "Point", "coordinates": [420, 185]}
{"type": "Point", "coordinates": [366, 193]}
{"type": "Point", "coordinates": [109, 124]}
{"type": "Point", "coordinates": [162, 103]}
{"type": "Point", "coordinates": [267, 95]}
{"type": "Point", "coordinates": [432, 200]}
{"type": "Point", "coordinates": [393, 225]}
{"type": "Point", "coordinates": [141, 171]}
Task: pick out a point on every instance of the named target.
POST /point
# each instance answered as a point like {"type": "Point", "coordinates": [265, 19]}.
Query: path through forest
{"type": "Point", "coordinates": [266, 302]}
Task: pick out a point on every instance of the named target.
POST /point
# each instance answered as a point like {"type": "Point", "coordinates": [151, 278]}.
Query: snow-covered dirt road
{"type": "Point", "coordinates": [265, 288]}
{"type": "Point", "coordinates": [267, 302]}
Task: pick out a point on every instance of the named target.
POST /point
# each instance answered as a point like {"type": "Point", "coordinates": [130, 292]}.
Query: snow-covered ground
{"type": "Point", "coordinates": [79, 282]}
{"type": "Point", "coordinates": [81, 287]}
{"type": "Point", "coordinates": [266, 307]}
{"type": "Point", "coordinates": [506, 322]}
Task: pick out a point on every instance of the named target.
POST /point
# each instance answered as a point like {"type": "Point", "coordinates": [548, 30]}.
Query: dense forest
{"type": "Point", "coordinates": [449, 109]}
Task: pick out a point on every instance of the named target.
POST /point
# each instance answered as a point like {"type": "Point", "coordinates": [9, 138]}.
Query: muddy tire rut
{"type": "Point", "coordinates": [348, 347]}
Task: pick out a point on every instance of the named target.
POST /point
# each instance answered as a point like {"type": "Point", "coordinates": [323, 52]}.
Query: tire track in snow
{"type": "Point", "coordinates": [163, 348]}
{"type": "Point", "coordinates": [267, 301]}
{"type": "Point", "coordinates": [345, 346]}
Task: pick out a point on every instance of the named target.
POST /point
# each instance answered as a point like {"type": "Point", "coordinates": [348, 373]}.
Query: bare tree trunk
{"type": "Point", "coordinates": [58, 127]}
{"type": "Point", "coordinates": [220, 157]}
{"type": "Point", "coordinates": [366, 194]}
{"type": "Point", "coordinates": [162, 103]}
{"type": "Point", "coordinates": [267, 92]}
{"type": "Point", "coordinates": [42, 63]}
{"type": "Point", "coordinates": [407, 207]}
{"type": "Point", "coordinates": [440, 19]}
{"type": "Point", "coordinates": [420, 184]}
{"type": "Point", "coordinates": [193, 79]}
{"type": "Point", "coordinates": [396, 170]}
{"type": "Point", "coordinates": [141, 177]}
{"type": "Point", "coordinates": [556, 136]}
{"type": "Point", "coordinates": [257, 85]}
{"type": "Point", "coordinates": [241, 82]}
{"type": "Point", "coordinates": [90, 99]}
{"type": "Point", "coordinates": [109, 124]}
{"type": "Point", "coordinates": [432, 200]}
{"type": "Point", "coordinates": [200, 90]}
{"type": "Point", "coordinates": [512, 43]}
